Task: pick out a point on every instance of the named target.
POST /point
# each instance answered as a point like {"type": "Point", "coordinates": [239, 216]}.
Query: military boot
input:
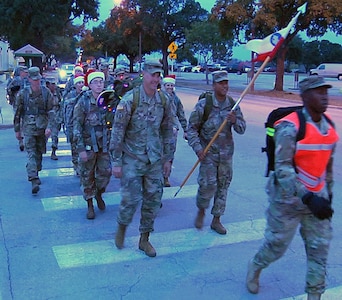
{"type": "Point", "coordinates": [35, 186]}
{"type": "Point", "coordinates": [146, 246]}
{"type": "Point", "coordinates": [90, 212]}
{"type": "Point", "coordinates": [314, 296]}
{"type": "Point", "coordinates": [120, 236]}
{"type": "Point", "coordinates": [252, 279]}
{"type": "Point", "coordinates": [166, 182]}
{"type": "Point", "coordinates": [199, 218]}
{"type": "Point", "coordinates": [100, 203]}
{"type": "Point", "coordinates": [21, 145]}
{"type": "Point", "coordinates": [53, 154]}
{"type": "Point", "coordinates": [217, 226]}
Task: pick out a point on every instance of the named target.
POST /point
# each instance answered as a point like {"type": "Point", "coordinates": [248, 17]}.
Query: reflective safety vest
{"type": "Point", "coordinates": [312, 153]}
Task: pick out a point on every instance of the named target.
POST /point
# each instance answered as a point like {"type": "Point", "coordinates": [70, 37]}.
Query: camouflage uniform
{"type": "Point", "coordinates": [58, 120]}
{"type": "Point", "coordinates": [36, 111]}
{"type": "Point", "coordinates": [286, 211]}
{"type": "Point", "coordinates": [68, 111]}
{"type": "Point", "coordinates": [141, 141]}
{"type": "Point", "coordinates": [92, 135]}
{"type": "Point", "coordinates": [215, 172]}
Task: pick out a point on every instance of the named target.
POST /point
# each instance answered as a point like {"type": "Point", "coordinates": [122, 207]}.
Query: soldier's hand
{"type": "Point", "coordinates": [200, 155]}
{"type": "Point", "coordinates": [117, 172]}
{"type": "Point", "coordinates": [47, 132]}
{"type": "Point", "coordinates": [185, 136]}
{"type": "Point", "coordinates": [83, 156]}
{"type": "Point", "coordinates": [231, 117]}
{"type": "Point", "coordinates": [320, 207]}
{"type": "Point", "coordinates": [18, 135]}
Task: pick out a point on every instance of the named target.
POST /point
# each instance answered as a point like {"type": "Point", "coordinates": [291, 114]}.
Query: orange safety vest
{"type": "Point", "coordinates": [312, 153]}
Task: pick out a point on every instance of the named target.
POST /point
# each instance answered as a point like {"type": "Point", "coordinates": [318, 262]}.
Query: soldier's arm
{"type": "Point", "coordinates": [240, 124]}
{"type": "Point", "coordinates": [19, 111]}
{"type": "Point", "coordinates": [194, 126]}
{"type": "Point", "coordinates": [78, 126]}
{"type": "Point", "coordinates": [285, 147]}
{"type": "Point", "coordinates": [167, 132]}
{"type": "Point", "coordinates": [181, 115]}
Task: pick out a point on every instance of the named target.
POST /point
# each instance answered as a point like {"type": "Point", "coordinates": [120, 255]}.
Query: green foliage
{"type": "Point", "coordinates": [43, 23]}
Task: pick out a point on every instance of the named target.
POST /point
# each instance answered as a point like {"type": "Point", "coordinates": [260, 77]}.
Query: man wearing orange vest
{"type": "Point", "coordinates": [300, 190]}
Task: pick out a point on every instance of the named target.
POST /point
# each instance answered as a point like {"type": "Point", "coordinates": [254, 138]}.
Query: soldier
{"type": "Point", "coordinates": [300, 189]}
{"type": "Point", "coordinates": [215, 172]}
{"type": "Point", "coordinates": [78, 70]}
{"type": "Point", "coordinates": [58, 120]}
{"type": "Point", "coordinates": [142, 149]}
{"type": "Point", "coordinates": [109, 79]}
{"type": "Point", "coordinates": [18, 82]}
{"type": "Point", "coordinates": [69, 105]}
{"type": "Point", "coordinates": [169, 86]}
{"type": "Point", "coordinates": [35, 110]}
{"type": "Point", "coordinates": [92, 138]}
{"type": "Point", "coordinates": [120, 74]}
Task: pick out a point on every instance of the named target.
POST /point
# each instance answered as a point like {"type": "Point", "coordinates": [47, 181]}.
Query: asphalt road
{"type": "Point", "coordinates": [49, 250]}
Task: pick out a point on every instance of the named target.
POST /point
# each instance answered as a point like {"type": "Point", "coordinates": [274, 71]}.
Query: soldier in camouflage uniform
{"type": "Point", "coordinates": [58, 120]}
{"type": "Point", "coordinates": [142, 149]}
{"type": "Point", "coordinates": [35, 110]}
{"type": "Point", "coordinates": [92, 135]}
{"type": "Point", "coordinates": [215, 172]}
{"type": "Point", "coordinates": [69, 86]}
{"type": "Point", "coordinates": [300, 190]}
{"type": "Point", "coordinates": [178, 109]}
{"type": "Point", "coordinates": [68, 108]}
{"type": "Point", "coordinates": [18, 82]}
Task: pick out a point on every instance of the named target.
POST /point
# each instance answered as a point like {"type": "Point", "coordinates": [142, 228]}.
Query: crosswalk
{"type": "Point", "coordinates": [103, 252]}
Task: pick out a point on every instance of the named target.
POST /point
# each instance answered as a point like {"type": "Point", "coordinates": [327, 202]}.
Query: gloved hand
{"type": "Point", "coordinates": [320, 207]}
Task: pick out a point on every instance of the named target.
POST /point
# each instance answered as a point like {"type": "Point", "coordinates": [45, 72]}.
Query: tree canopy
{"type": "Point", "coordinates": [45, 24]}
{"type": "Point", "coordinates": [246, 19]}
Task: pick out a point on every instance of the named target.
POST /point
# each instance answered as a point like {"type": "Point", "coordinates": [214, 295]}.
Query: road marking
{"type": "Point", "coordinates": [59, 152]}
{"type": "Point", "coordinates": [330, 294]}
{"type": "Point", "coordinates": [112, 198]}
{"type": "Point", "coordinates": [56, 172]}
{"type": "Point", "coordinates": [171, 242]}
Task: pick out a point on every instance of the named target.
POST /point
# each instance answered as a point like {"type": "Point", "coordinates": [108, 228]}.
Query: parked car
{"type": "Point", "coordinates": [328, 70]}
{"type": "Point", "coordinates": [64, 72]}
{"type": "Point", "coordinates": [196, 69]}
{"type": "Point", "coordinates": [186, 69]}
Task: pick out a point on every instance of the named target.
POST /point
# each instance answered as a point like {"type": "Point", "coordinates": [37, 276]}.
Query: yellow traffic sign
{"type": "Point", "coordinates": [173, 56]}
{"type": "Point", "coordinates": [172, 47]}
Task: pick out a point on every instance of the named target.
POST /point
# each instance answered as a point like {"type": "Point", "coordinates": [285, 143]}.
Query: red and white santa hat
{"type": "Point", "coordinates": [169, 79]}
{"type": "Point", "coordinates": [78, 78]}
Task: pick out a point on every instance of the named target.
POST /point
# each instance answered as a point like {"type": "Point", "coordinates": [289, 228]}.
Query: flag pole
{"type": "Point", "coordinates": [206, 149]}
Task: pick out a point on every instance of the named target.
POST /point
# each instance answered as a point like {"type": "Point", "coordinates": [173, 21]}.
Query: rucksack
{"type": "Point", "coordinates": [208, 95]}
{"type": "Point", "coordinates": [274, 116]}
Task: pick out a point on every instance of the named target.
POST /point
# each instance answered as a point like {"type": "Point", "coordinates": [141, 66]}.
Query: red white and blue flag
{"type": "Point", "coordinates": [269, 46]}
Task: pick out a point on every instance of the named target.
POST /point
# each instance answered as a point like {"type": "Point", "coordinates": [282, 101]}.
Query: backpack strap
{"type": "Point", "coordinates": [136, 94]}
{"type": "Point", "coordinates": [302, 122]}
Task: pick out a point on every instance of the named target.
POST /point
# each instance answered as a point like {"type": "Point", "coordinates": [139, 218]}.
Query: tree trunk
{"type": "Point", "coordinates": [165, 64]}
{"type": "Point", "coordinates": [279, 82]}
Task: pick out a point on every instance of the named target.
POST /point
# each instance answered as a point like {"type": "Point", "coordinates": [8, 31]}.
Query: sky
{"type": "Point", "coordinates": [238, 52]}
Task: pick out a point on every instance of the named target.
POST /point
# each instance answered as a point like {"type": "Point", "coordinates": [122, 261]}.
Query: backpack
{"type": "Point", "coordinates": [208, 95]}
{"type": "Point", "coordinates": [274, 116]}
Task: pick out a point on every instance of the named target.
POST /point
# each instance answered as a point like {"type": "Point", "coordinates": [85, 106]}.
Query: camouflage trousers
{"type": "Point", "coordinates": [55, 129]}
{"type": "Point", "coordinates": [73, 146]}
{"type": "Point", "coordinates": [214, 178]}
{"type": "Point", "coordinates": [95, 173]}
{"type": "Point", "coordinates": [283, 219]}
{"type": "Point", "coordinates": [141, 182]}
{"type": "Point", "coordinates": [35, 146]}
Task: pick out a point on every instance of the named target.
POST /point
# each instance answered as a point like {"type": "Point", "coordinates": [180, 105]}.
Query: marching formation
{"type": "Point", "coordinates": [129, 130]}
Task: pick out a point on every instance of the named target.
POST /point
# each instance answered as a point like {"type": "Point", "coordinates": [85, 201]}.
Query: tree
{"type": "Point", "coordinates": [204, 38]}
{"type": "Point", "coordinates": [268, 16]}
{"type": "Point", "coordinates": [43, 23]}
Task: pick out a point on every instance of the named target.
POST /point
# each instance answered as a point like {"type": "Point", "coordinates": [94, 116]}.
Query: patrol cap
{"type": "Point", "coordinates": [312, 82]}
{"type": "Point", "coordinates": [219, 76]}
{"type": "Point", "coordinates": [119, 71]}
{"type": "Point", "coordinates": [23, 69]}
{"type": "Point", "coordinates": [51, 80]}
{"type": "Point", "coordinates": [34, 73]}
{"type": "Point", "coordinates": [104, 66]}
{"type": "Point", "coordinates": [153, 66]}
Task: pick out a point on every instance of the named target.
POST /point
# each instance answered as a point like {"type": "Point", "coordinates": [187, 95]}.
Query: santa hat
{"type": "Point", "coordinates": [78, 68]}
{"type": "Point", "coordinates": [78, 78]}
{"type": "Point", "coordinates": [86, 81]}
{"type": "Point", "coordinates": [170, 79]}
{"type": "Point", "coordinates": [94, 75]}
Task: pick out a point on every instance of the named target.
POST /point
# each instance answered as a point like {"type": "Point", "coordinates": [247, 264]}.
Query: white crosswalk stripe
{"type": "Point", "coordinates": [105, 252]}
